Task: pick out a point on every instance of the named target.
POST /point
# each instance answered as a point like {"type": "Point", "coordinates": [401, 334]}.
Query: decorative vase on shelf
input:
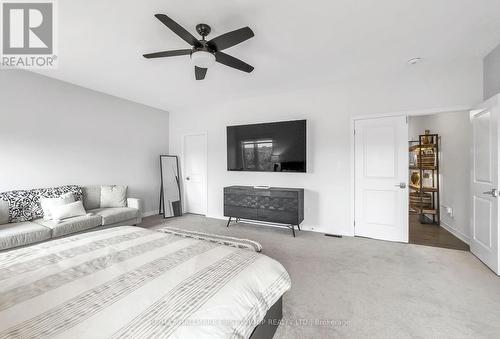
{"type": "Point", "coordinates": [415, 178]}
{"type": "Point", "coordinates": [426, 139]}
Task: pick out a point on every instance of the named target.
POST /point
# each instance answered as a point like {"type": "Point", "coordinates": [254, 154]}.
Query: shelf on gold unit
{"type": "Point", "coordinates": [419, 147]}
{"type": "Point", "coordinates": [424, 189]}
{"type": "Point", "coordinates": [417, 207]}
{"type": "Point", "coordinates": [416, 210]}
{"type": "Point", "coordinates": [423, 167]}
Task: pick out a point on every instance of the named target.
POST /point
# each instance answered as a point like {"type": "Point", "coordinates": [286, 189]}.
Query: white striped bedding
{"type": "Point", "coordinates": [129, 282]}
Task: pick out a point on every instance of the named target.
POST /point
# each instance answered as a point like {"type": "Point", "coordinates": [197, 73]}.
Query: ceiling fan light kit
{"type": "Point", "coordinates": [203, 59]}
{"type": "Point", "coordinates": [205, 53]}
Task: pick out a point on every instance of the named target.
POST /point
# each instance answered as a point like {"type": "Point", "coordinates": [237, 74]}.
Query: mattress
{"type": "Point", "coordinates": [129, 282]}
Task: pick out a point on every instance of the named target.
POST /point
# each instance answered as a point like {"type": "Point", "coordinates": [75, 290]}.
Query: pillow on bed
{"type": "Point", "coordinates": [48, 203]}
{"type": "Point", "coordinates": [61, 212]}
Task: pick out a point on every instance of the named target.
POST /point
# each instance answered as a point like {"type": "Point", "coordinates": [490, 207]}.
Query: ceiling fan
{"type": "Point", "coordinates": [205, 53]}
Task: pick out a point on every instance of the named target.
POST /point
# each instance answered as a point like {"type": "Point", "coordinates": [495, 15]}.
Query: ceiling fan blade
{"type": "Point", "coordinates": [200, 72]}
{"type": "Point", "coordinates": [231, 61]}
{"type": "Point", "coordinates": [167, 53]}
{"type": "Point", "coordinates": [178, 29]}
{"type": "Point", "coordinates": [231, 39]}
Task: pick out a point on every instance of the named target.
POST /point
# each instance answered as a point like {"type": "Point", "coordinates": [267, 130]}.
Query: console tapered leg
{"type": "Point", "coordinates": [293, 230]}
{"type": "Point", "coordinates": [228, 222]}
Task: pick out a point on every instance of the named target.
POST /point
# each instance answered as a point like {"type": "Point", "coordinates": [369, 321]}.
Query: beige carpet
{"type": "Point", "coordinates": [371, 289]}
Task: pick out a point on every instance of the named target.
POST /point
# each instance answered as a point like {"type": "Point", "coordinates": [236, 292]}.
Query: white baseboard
{"type": "Point", "coordinates": [220, 217]}
{"type": "Point", "coordinates": [456, 233]}
{"type": "Point", "coordinates": [150, 213]}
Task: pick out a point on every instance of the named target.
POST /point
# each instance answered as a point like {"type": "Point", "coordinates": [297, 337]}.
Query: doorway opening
{"type": "Point", "coordinates": [438, 179]}
{"type": "Point", "coordinates": [412, 178]}
{"type": "Point", "coordinates": [466, 200]}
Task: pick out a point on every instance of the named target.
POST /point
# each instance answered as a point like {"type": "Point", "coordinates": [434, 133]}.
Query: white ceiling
{"type": "Point", "coordinates": [297, 44]}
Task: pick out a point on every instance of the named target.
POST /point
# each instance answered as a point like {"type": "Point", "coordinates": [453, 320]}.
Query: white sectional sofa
{"type": "Point", "coordinates": [27, 232]}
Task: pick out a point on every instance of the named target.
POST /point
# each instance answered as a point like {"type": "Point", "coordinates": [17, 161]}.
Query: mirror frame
{"type": "Point", "coordinates": [162, 209]}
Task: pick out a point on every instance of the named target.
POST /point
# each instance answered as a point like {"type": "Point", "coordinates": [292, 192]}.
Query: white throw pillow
{"type": "Point", "coordinates": [70, 210]}
{"type": "Point", "coordinates": [48, 203]}
{"type": "Point", "coordinates": [113, 196]}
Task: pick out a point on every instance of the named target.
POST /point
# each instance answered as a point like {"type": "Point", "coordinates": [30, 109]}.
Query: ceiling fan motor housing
{"type": "Point", "coordinates": [203, 29]}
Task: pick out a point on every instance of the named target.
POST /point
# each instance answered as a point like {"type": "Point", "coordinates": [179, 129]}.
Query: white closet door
{"type": "Point", "coordinates": [484, 183]}
{"type": "Point", "coordinates": [381, 175]}
{"type": "Point", "coordinates": [195, 165]}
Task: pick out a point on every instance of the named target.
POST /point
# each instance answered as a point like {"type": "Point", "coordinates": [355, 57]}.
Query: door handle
{"type": "Point", "coordinates": [493, 192]}
{"type": "Point", "coordinates": [401, 185]}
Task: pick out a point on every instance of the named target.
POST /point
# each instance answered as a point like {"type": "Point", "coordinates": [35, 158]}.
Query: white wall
{"type": "Point", "coordinates": [53, 133]}
{"type": "Point", "coordinates": [455, 140]}
{"type": "Point", "coordinates": [492, 73]}
{"type": "Point", "coordinates": [328, 111]}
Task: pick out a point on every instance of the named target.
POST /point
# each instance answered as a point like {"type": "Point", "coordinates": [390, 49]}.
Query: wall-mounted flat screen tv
{"type": "Point", "coordinates": [269, 147]}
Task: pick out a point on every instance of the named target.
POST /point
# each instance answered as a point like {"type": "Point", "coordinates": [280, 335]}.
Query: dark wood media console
{"type": "Point", "coordinates": [274, 205]}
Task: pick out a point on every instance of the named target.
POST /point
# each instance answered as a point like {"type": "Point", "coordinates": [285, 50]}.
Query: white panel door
{"type": "Point", "coordinates": [484, 184]}
{"type": "Point", "coordinates": [194, 160]}
{"type": "Point", "coordinates": [381, 175]}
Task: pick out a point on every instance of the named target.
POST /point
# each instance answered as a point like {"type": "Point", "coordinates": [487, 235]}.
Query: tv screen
{"type": "Point", "coordinates": [270, 147]}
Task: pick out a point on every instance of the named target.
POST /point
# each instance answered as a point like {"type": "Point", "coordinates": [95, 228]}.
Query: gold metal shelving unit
{"type": "Point", "coordinates": [424, 160]}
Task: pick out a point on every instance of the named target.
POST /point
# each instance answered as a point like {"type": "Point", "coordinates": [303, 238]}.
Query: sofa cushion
{"type": "Point", "coordinates": [4, 212]}
{"type": "Point", "coordinates": [115, 215]}
{"type": "Point", "coordinates": [22, 233]}
{"type": "Point", "coordinates": [113, 196]}
{"type": "Point", "coordinates": [71, 225]}
{"type": "Point", "coordinates": [91, 197]}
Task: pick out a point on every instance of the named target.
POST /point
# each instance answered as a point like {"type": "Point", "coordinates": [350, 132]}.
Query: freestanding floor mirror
{"type": "Point", "coordinates": [170, 191]}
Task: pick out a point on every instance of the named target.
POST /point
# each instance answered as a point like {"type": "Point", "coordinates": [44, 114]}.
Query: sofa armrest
{"type": "Point", "coordinates": [137, 204]}
{"type": "Point", "coordinates": [134, 203]}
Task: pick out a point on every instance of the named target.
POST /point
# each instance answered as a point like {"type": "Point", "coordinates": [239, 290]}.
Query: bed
{"type": "Point", "coordinates": [130, 282]}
